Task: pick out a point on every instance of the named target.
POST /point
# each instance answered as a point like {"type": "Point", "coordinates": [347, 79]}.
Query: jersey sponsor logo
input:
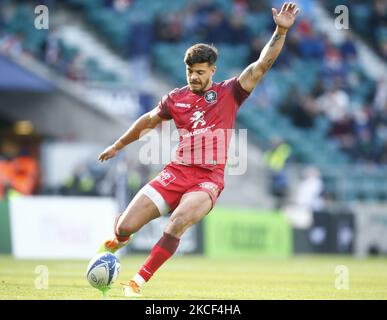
{"type": "Point", "coordinates": [210, 96]}
{"type": "Point", "coordinates": [165, 177]}
{"type": "Point", "coordinates": [183, 105]}
{"type": "Point", "coordinates": [212, 187]}
{"type": "Point", "coordinates": [197, 131]}
{"type": "Point", "coordinates": [198, 118]}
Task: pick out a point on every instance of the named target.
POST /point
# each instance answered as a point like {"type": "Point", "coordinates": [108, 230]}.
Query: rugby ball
{"type": "Point", "coordinates": [103, 270]}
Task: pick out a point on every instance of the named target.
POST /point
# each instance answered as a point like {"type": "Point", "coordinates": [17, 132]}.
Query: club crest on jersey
{"type": "Point", "coordinates": [210, 96]}
{"type": "Point", "coordinates": [198, 118]}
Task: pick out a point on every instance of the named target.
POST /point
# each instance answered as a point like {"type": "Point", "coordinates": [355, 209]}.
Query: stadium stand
{"type": "Point", "coordinates": [316, 89]}
{"type": "Point", "coordinates": [369, 19]}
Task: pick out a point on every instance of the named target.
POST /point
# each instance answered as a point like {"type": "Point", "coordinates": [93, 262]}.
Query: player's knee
{"type": "Point", "coordinates": [125, 228]}
{"type": "Point", "coordinates": [178, 224]}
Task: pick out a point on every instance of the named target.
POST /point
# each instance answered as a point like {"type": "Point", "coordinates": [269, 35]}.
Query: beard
{"type": "Point", "coordinates": [199, 87]}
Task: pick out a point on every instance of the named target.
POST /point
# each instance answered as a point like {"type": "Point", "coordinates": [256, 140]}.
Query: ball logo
{"type": "Point", "coordinates": [198, 118]}
{"type": "Point", "coordinates": [103, 270]}
{"type": "Point", "coordinates": [210, 96]}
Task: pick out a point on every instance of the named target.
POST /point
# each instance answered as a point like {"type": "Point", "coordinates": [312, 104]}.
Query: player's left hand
{"type": "Point", "coordinates": [286, 17]}
{"type": "Point", "coordinates": [108, 153]}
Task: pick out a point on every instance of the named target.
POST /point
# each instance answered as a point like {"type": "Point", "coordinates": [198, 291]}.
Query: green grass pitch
{"type": "Point", "coordinates": [200, 278]}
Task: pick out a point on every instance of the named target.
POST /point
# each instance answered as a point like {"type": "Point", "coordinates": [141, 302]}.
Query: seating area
{"type": "Point", "coordinates": [317, 96]}
{"type": "Point", "coordinates": [18, 37]}
{"type": "Point", "coordinates": [311, 78]}
{"type": "Point", "coordinates": [369, 19]}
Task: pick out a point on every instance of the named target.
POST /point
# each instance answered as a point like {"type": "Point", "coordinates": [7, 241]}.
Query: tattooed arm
{"type": "Point", "coordinates": [255, 71]}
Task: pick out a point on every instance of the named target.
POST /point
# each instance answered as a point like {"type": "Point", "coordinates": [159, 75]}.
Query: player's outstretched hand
{"type": "Point", "coordinates": [286, 17]}
{"type": "Point", "coordinates": [109, 153]}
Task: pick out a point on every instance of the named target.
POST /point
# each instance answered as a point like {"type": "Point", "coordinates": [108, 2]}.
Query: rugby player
{"type": "Point", "coordinates": [188, 187]}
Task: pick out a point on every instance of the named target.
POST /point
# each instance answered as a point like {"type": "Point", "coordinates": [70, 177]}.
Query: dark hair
{"type": "Point", "coordinates": [201, 53]}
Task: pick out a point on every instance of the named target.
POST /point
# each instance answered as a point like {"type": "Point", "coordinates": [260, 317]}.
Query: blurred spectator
{"type": "Point", "coordinates": [299, 108]}
{"type": "Point", "coordinates": [108, 3]}
{"type": "Point", "coordinates": [309, 192]}
{"type": "Point", "coordinates": [11, 44]}
{"type": "Point", "coordinates": [239, 7]}
{"type": "Point", "coordinates": [190, 21]}
{"type": "Point", "coordinates": [381, 115]}
{"type": "Point", "coordinates": [383, 154]}
{"type": "Point", "coordinates": [205, 7]}
{"type": "Point", "coordinates": [380, 98]}
{"type": "Point", "coordinates": [292, 45]}
{"type": "Point", "coordinates": [256, 45]}
{"type": "Point", "coordinates": [276, 159]}
{"type": "Point", "coordinates": [311, 45]}
{"type": "Point", "coordinates": [76, 69]}
{"type": "Point", "coordinates": [169, 27]}
{"type": "Point", "coordinates": [51, 48]}
{"type": "Point", "coordinates": [333, 67]}
{"type": "Point", "coordinates": [364, 149]}
{"type": "Point", "coordinates": [342, 127]}
{"type": "Point", "coordinates": [266, 94]}
{"type": "Point", "coordinates": [361, 120]}
{"type": "Point", "coordinates": [217, 30]}
{"type": "Point", "coordinates": [19, 171]}
{"type": "Point", "coordinates": [140, 48]}
{"type": "Point", "coordinates": [378, 25]}
{"type": "Point", "coordinates": [380, 138]}
{"type": "Point", "coordinates": [122, 5]}
{"type": "Point", "coordinates": [81, 183]}
{"type": "Point", "coordinates": [348, 48]}
{"type": "Point", "coordinates": [383, 49]}
{"type": "Point", "coordinates": [140, 45]}
{"type": "Point", "coordinates": [334, 103]}
{"type": "Point", "coordinates": [26, 174]}
{"type": "Point", "coordinates": [238, 33]}
{"type": "Point", "coordinates": [257, 6]}
{"type": "Point", "coordinates": [118, 5]}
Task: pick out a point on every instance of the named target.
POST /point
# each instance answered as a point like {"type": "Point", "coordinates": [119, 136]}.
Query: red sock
{"type": "Point", "coordinates": [160, 253]}
{"type": "Point", "coordinates": [122, 238]}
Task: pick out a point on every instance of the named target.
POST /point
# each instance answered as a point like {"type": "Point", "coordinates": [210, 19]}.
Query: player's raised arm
{"type": "Point", "coordinates": [254, 72]}
{"type": "Point", "coordinates": [141, 126]}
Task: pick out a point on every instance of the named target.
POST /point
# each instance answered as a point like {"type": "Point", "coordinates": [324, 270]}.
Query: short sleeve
{"type": "Point", "coordinates": [163, 108]}
{"type": "Point", "coordinates": [240, 94]}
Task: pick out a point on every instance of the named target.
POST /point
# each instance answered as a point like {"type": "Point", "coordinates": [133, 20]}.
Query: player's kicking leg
{"type": "Point", "coordinates": [139, 212]}
{"type": "Point", "coordinates": [191, 209]}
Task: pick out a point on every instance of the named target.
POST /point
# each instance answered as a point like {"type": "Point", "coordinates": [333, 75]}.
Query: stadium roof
{"type": "Point", "coordinates": [15, 77]}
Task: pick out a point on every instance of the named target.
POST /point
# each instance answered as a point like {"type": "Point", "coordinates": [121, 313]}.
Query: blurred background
{"type": "Point", "coordinates": [316, 179]}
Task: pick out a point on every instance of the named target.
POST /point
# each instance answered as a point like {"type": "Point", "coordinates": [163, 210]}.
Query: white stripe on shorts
{"type": "Point", "coordinates": [157, 199]}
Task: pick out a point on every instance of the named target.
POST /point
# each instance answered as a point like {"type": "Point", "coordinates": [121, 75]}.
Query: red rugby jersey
{"type": "Point", "coordinates": [205, 121]}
